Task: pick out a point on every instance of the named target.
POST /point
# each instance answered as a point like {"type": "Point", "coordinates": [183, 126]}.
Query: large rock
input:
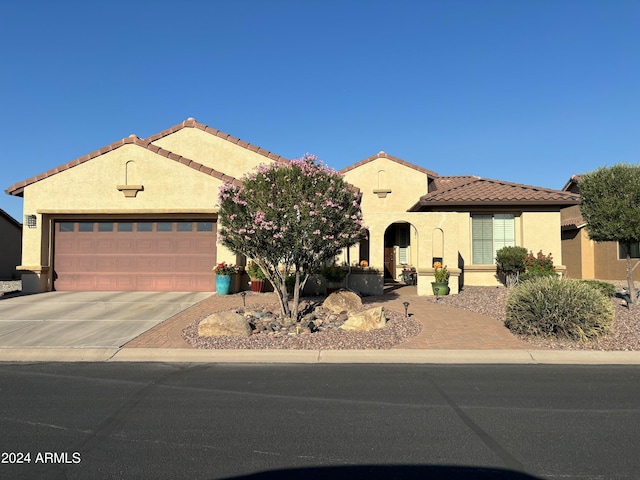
{"type": "Point", "coordinates": [342, 301]}
{"type": "Point", "coordinates": [366, 321]}
{"type": "Point", "coordinates": [224, 324]}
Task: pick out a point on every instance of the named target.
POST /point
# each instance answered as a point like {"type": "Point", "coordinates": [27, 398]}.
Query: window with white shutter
{"type": "Point", "coordinates": [489, 234]}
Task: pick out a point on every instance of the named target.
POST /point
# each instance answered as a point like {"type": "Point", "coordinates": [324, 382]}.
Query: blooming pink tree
{"type": "Point", "coordinates": [290, 218]}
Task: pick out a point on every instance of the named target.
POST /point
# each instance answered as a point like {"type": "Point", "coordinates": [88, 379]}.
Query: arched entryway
{"type": "Point", "coordinates": [400, 249]}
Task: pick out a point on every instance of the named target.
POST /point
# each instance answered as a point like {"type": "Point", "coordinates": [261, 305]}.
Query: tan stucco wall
{"type": "Point", "coordinates": [212, 151]}
{"type": "Point", "coordinates": [541, 231]}
{"type": "Point", "coordinates": [91, 189]}
{"type": "Point", "coordinates": [406, 185]}
{"type": "Point", "coordinates": [607, 264]}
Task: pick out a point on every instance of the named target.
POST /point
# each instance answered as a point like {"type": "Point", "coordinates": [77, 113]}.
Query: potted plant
{"type": "Point", "coordinates": [334, 276]}
{"type": "Point", "coordinates": [223, 277]}
{"type": "Point", "coordinates": [257, 277]}
{"type": "Point", "coordinates": [441, 274]}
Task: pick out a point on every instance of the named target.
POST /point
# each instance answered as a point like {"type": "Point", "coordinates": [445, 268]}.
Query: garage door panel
{"type": "Point", "coordinates": [125, 245]}
{"type": "Point", "coordinates": [106, 264]}
{"type": "Point", "coordinates": [165, 283]}
{"type": "Point", "coordinates": [64, 244]}
{"type": "Point", "coordinates": [145, 246]}
{"type": "Point", "coordinates": [107, 245]}
{"type": "Point", "coordinates": [165, 264]}
{"type": "Point", "coordinates": [128, 260]}
{"type": "Point", "coordinates": [145, 264]}
{"type": "Point", "coordinates": [85, 264]}
{"type": "Point", "coordinates": [84, 282]}
{"type": "Point", "coordinates": [204, 283]}
{"type": "Point", "coordinates": [85, 246]}
{"type": "Point", "coordinates": [106, 282]}
{"type": "Point", "coordinates": [166, 246]}
{"type": "Point", "coordinates": [205, 245]}
{"type": "Point", "coordinates": [125, 282]}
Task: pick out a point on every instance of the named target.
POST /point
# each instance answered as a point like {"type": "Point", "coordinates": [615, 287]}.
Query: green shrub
{"type": "Point", "coordinates": [511, 259]}
{"type": "Point", "coordinates": [511, 263]}
{"type": "Point", "coordinates": [551, 306]}
{"type": "Point", "coordinates": [608, 289]}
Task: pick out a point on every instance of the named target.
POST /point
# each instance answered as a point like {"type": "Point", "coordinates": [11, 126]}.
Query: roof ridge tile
{"type": "Point", "coordinates": [383, 154]}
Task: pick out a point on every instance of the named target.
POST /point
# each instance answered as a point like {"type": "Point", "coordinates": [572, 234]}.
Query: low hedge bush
{"type": "Point", "coordinates": [551, 306]}
{"type": "Point", "coordinates": [608, 289]}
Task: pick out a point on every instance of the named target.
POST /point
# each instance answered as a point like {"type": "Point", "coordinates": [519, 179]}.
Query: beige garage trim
{"type": "Point", "coordinates": [134, 255]}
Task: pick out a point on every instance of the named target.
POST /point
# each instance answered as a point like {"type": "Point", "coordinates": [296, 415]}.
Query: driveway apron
{"type": "Point", "coordinates": [86, 319]}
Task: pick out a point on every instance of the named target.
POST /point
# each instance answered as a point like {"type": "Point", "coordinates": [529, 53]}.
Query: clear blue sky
{"type": "Point", "coordinates": [529, 91]}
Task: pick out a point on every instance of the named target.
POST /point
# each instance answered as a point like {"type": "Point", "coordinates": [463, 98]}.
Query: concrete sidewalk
{"type": "Point", "coordinates": [448, 336]}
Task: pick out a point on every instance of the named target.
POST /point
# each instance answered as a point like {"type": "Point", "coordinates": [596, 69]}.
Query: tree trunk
{"type": "Point", "coordinates": [630, 269]}
{"type": "Point", "coordinates": [299, 286]}
{"type": "Point", "coordinates": [279, 284]}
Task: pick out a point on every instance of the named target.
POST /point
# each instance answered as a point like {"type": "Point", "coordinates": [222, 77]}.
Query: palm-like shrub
{"type": "Point", "coordinates": [564, 308]}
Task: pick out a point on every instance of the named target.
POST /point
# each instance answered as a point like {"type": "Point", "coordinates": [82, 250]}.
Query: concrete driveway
{"type": "Point", "coordinates": [86, 319]}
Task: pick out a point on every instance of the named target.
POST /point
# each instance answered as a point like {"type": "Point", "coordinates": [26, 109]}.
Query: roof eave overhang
{"type": "Point", "coordinates": [16, 192]}
{"type": "Point", "coordinates": [491, 203]}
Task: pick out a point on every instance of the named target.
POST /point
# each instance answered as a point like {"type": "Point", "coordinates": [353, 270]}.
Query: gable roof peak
{"type": "Point", "coordinates": [193, 123]}
{"type": "Point", "coordinates": [147, 143]}
{"type": "Point", "coordinates": [383, 154]}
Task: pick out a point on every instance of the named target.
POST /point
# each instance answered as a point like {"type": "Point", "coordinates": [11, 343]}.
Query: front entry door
{"type": "Point", "coordinates": [389, 262]}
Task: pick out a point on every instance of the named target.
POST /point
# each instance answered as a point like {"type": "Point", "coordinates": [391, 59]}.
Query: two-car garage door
{"type": "Point", "coordinates": [135, 255]}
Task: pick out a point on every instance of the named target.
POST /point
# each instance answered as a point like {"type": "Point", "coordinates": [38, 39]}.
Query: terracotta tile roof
{"type": "Point", "coordinates": [447, 182]}
{"type": "Point", "coordinates": [572, 184]}
{"type": "Point", "coordinates": [475, 191]}
{"type": "Point", "coordinates": [192, 123]}
{"type": "Point", "coordinates": [393, 159]}
{"type": "Point", "coordinates": [572, 223]}
{"type": "Point", "coordinates": [18, 188]}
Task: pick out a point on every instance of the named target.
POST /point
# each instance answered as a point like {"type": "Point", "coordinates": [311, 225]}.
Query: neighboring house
{"type": "Point", "coordinates": [584, 258]}
{"type": "Point", "coordinates": [140, 214]}
{"type": "Point", "coordinates": [10, 246]}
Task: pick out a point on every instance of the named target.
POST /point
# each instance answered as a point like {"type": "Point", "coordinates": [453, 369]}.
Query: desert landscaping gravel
{"type": "Point", "coordinates": [491, 301]}
{"type": "Point", "coordinates": [397, 330]}
{"type": "Point", "coordinates": [10, 286]}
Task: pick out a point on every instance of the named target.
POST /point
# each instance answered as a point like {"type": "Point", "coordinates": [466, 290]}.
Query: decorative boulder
{"type": "Point", "coordinates": [224, 324]}
{"type": "Point", "coordinates": [366, 321]}
{"type": "Point", "coordinates": [342, 301]}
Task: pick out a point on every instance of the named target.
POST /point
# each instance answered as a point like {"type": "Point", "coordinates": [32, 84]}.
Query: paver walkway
{"type": "Point", "coordinates": [443, 327]}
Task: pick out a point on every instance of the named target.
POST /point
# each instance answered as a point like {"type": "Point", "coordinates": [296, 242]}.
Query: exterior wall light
{"type": "Point", "coordinates": [31, 221]}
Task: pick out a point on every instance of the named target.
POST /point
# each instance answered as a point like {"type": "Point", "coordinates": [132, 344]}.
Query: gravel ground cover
{"type": "Point", "coordinates": [10, 286]}
{"type": "Point", "coordinates": [491, 301]}
{"type": "Point", "coordinates": [397, 330]}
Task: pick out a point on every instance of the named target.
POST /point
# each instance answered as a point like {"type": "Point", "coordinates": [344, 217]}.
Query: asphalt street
{"type": "Point", "coordinates": [223, 421]}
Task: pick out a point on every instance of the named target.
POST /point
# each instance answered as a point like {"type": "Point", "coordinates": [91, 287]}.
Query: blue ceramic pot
{"type": "Point", "coordinates": [223, 284]}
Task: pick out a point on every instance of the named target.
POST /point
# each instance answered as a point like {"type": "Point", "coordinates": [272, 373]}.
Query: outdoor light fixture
{"type": "Point", "coordinates": [244, 301]}
{"type": "Point", "coordinates": [406, 309]}
{"type": "Point", "coordinates": [30, 221]}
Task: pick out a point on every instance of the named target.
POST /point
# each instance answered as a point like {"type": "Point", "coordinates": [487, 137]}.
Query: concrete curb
{"type": "Point", "coordinates": [397, 356]}
{"type": "Point", "coordinates": [64, 354]}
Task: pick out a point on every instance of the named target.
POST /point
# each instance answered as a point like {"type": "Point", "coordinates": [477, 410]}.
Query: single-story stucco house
{"type": "Point", "coordinates": [140, 214]}
{"type": "Point", "coordinates": [586, 259]}
{"type": "Point", "coordinates": [10, 246]}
